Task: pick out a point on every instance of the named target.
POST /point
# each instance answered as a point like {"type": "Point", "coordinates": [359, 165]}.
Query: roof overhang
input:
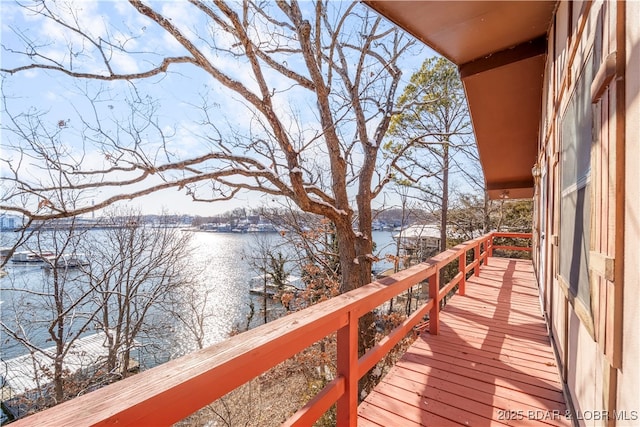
{"type": "Point", "coordinates": [500, 50]}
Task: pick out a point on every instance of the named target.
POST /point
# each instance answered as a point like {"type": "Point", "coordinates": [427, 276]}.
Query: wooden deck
{"type": "Point", "coordinates": [491, 364]}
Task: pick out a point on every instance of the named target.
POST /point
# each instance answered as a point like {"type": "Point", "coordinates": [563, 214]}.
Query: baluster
{"type": "Point", "coordinates": [347, 405]}
{"type": "Point", "coordinates": [434, 292]}
{"type": "Point", "coordinates": [476, 259]}
{"type": "Point", "coordinates": [462, 264]}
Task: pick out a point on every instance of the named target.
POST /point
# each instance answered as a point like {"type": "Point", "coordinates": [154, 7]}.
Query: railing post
{"type": "Point", "coordinates": [476, 259]}
{"type": "Point", "coordinates": [486, 242]}
{"type": "Point", "coordinates": [490, 250]}
{"type": "Point", "coordinates": [434, 292]}
{"type": "Point", "coordinates": [347, 358]}
{"type": "Point", "coordinates": [462, 264]}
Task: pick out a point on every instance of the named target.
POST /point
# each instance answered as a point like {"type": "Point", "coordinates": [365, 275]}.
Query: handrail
{"type": "Point", "coordinates": [170, 392]}
{"type": "Point", "coordinates": [512, 236]}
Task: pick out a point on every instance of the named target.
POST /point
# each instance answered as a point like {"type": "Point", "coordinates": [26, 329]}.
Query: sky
{"type": "Point", "coordinates": [78, 114]}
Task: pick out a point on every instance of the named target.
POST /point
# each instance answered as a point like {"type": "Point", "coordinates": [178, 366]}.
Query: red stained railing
{"type": "Point", "coordinates": [176, 389]}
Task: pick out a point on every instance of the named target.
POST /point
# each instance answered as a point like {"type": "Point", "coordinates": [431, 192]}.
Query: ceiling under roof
{"type": "Point", "coordinates": [500, 50]}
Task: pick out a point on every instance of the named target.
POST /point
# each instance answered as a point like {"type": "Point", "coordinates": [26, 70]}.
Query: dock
{"type": "Point", "coordinates": [24, 374]}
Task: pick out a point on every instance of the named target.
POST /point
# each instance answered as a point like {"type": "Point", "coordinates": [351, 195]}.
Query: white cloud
{"type": "Point", "coordinates": [123, 8]}
{"type": "Point", "coordinates": [125, 64]}
{"type": "Point", "coordinates": [51, 96]}
{"type": "Point", "coordinates": [182, 15]}
{"type": "Point", "coordinates": [30, 74]}
{"type": "Point", "coordinates": [170, 43]}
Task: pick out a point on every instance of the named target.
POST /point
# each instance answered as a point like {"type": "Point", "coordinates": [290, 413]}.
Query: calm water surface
{"type": "Point", "coordinates": [223, 272]}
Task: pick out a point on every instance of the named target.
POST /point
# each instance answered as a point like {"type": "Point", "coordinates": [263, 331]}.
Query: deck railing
{"type": "Point", "coordinates": [174, 390]}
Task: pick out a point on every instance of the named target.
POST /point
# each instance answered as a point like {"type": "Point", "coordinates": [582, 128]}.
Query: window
{"type": "Point", "coordinates": [576, 139]}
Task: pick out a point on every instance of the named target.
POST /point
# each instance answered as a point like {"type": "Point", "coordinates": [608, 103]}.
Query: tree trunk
{"type": "Point", "coordinates": [487, 216]}
{"type": "Point", "coordinates": [264, 297]}
{"type": "Point", "coordinates": [58, 335]}
{"type": "Point", "coordinates": [445, 196]}
{"type": "Point", "coordinates": [356, 264]}
{"type": "Point", "coordinates": [500, 216]}
{"type": "Point", "coordinates": [349, 261]}
{"type": "Point", "coordinates": [111, 340]}
{"type": "Point", "coordinates": [58, 380]}
{"type": "Point", "coordinates": [126, 357]}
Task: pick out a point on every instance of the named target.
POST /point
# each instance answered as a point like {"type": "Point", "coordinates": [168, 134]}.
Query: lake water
{"type": "Point", "coordinates": [223, 270]}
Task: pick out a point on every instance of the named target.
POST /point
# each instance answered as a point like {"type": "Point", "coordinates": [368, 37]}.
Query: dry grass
{"type": "Point", "coordinates": [267, 400]}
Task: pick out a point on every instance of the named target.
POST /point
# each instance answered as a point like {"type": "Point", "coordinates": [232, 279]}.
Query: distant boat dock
{"type": "Point", "coordinates": [25, 374]}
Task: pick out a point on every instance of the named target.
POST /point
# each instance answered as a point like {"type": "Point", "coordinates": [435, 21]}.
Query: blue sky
{"type": "Point", "coordinates": [175, 98]}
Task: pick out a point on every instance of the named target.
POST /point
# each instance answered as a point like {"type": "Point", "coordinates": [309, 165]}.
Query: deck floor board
{"type": "Point", "coordinates": [491, 365]}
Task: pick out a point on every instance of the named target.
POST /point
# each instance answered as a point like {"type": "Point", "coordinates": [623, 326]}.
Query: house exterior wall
{"type": "Point", "coordinates": [592, 94]}
{"type": "Point", "coordinates": [629, 375]}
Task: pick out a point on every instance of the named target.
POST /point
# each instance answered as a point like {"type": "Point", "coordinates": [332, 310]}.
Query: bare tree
{"type": "Point", "coordinates": [315, 96]}
{"type": "Point", "coordinates": [136, 270]}
{"type": "Point", "coordinates": [311, 236]}
{"type": "Point", "coordinates": [345, 61]}
{"type": "Point", "coordinates": [119, 281]}
{"type": "Point", "coordinates": [49, 305]}
{"type": "Point", "coordinates": [191, 308]}
{"type": "Point", "coordinates": [470, 216]}
{"type": "Point", "coordinates": [268, 261]}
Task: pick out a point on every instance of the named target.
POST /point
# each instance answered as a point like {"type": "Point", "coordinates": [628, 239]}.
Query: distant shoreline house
{"type": "Point", "coordinates": [8, 222]}
{"type": "Point", "coordinates": [419, 241]}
